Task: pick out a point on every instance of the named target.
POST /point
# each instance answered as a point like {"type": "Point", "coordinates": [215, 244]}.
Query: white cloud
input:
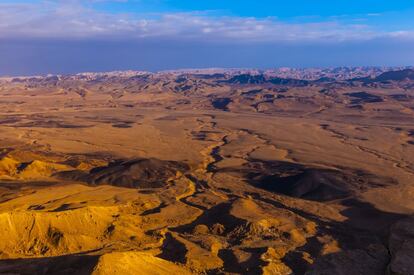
{"type": "Point", "coordinates": [71, 19]}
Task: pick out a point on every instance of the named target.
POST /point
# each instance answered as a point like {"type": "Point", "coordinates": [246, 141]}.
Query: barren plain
{"type": "Point", "coordinates": [206, 174]}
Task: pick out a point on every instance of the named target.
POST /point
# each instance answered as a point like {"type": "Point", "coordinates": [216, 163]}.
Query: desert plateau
{"type": "Point", "coordinates": [208, 172]}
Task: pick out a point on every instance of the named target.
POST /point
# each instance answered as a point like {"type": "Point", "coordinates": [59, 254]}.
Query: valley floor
{"type": "Point", "coordinates": [104, 188]}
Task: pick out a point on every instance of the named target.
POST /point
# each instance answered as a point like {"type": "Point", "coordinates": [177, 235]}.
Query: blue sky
{"type": "Point", "coordinates": [64, 36]}
{"type": "Point", "coordinates": [263, 8]}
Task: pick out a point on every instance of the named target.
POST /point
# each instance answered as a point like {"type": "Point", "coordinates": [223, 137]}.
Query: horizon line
{"type": "Point", "coordinates": [263, 70]}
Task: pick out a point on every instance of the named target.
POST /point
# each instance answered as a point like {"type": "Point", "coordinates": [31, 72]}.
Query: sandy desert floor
{"type": "Point", "coordinates": [104, 180]}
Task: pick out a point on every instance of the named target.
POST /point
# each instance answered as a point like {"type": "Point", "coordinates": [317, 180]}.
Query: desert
{"type": "Point", "coordinates": [207, 172]}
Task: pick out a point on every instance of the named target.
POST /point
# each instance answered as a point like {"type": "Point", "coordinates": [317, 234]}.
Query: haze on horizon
{"type": "Point", "coordinates": [39, 37]}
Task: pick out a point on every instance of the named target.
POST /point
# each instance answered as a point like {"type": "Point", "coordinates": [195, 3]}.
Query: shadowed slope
{"type": "Point", "coordinates": [137, 173]}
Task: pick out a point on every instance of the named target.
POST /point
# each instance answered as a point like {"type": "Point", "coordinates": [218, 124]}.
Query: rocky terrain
{"type": "Point", "coordinates": [208, 172]}
{"type": "Point", "coordinates": [311, 74]}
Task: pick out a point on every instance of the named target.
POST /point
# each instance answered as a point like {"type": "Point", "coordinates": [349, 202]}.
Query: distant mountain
{"type": "Point", "coordinates": [278, 76]}
{"type": "Point", "coordinates": [247, 79]}
{"type": "Point", "coordinates": [249, 76]}
{"type": "Point", "coordinates": [389, 76]}
{"type": "Point", "coordinates": [309, 74]}
{"type": "Point", "coordinates": [407, 74]}
{"type": "Point", "coordinates": [262, 79]}
{"type": "Point", "coordinates": [338, 73]}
